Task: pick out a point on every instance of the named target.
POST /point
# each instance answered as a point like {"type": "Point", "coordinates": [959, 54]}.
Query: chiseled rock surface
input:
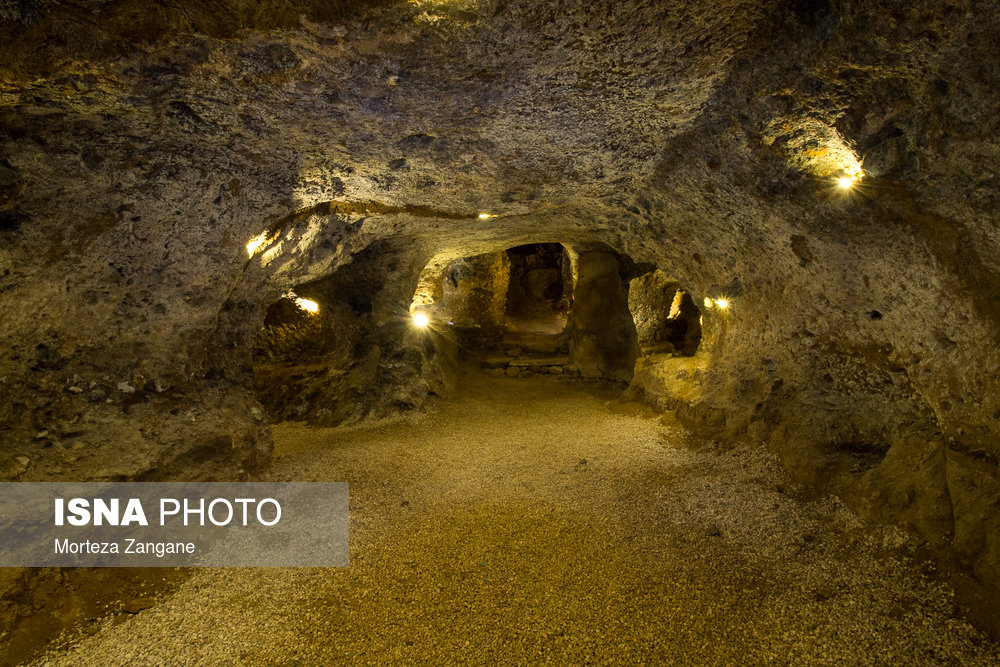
{"type": "Point", "coordinates": [140, 152]}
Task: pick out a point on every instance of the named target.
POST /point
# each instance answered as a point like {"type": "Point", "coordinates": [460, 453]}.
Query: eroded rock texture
{"type": "Point", "coordinates": [356, 356]}
{"type": "Point", "coordinates": [142, 148]}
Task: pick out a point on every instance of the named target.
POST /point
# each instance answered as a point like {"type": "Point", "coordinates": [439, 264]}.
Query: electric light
{"type": "Point", "coordinates": [853, 173]}
{"type": "Point", "coordinates": [421, 320]}
{"type": "Point", "coordinates": [708, 302]}
{"type": "Point", "coordinates": [256, 243]}
{"type": "Point", "coordinates": [307, 305]}
{"type": "Point", "coordinates": [484, 216]}
{"type": "Point", "coordinates": [722, 303]}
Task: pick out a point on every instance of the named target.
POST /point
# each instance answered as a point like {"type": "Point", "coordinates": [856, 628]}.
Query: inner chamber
{"type": "Point", "coordinates": [545, 308]}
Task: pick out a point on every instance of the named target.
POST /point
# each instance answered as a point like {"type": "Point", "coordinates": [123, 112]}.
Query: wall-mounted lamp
{"type": "Point", "coordinates": [307, 305]}
{"type": "Point", "coordinates": [256, 243]}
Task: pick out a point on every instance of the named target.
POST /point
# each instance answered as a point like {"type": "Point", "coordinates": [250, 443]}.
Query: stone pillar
{"type": "Point", "coordinates": [603, 339]}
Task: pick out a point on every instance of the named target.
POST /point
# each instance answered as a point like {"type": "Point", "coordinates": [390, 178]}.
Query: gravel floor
{"type": "Point", "coordinates": [528, 521]}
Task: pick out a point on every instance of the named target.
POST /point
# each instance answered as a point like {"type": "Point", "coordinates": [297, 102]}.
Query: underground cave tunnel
{"type": "Point", "coordinates": [580, 311]}
{"type": "Point", "coordinates": [639, 332]}
{"type": "Point", "coordinates": [549, 308]}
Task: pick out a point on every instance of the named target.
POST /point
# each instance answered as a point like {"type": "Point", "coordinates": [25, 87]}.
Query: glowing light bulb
{"type": "Point", "coordinates": [256, 243]}
{"type": "Point", "coordinates": [845, 183]}
{"type": "Point", "coordinates": [421, 320]}
{"type": "Point", "coordinates": [484, 216]}
{"type": "Point", "coordinates": [722, 303]}
{"type": "Point", "coordinates": [307, 305]}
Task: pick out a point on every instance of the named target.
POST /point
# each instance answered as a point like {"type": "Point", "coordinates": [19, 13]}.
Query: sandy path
{"type": "Point", "coordinates": [528, 522]}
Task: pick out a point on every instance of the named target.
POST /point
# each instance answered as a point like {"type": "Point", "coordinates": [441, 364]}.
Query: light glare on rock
{"type": "Point", "coordinates": [256, 243]}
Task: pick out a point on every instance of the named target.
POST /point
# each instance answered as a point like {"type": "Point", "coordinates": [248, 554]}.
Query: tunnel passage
{"type": "Point", "coordinates": [506, 310]}
{"type": "Point", "coordinates": [346, 347]}
{"type": "Point", "coordinates": [667, 320]}
{"type": "Point", "coordinates": [539, 288]}
{"type": "Point", "coordinates": [547, 308]}
{"type": "Point", "coordinates": [673, 364]}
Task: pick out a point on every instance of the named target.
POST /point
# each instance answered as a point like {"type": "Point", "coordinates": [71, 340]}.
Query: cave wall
{"type": "Point", "coordinates": [474, 295]}
{"type": "Point", "coordinates": [860, 344]}
{"type": "Point", "coordinates": [849, 346]}
{"type": "Point", "coordinates": [649, 299]}
{"type": "Point", "coordinates": [665, 315]}
{"type": "Point", "coordinates": [358, 356]}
